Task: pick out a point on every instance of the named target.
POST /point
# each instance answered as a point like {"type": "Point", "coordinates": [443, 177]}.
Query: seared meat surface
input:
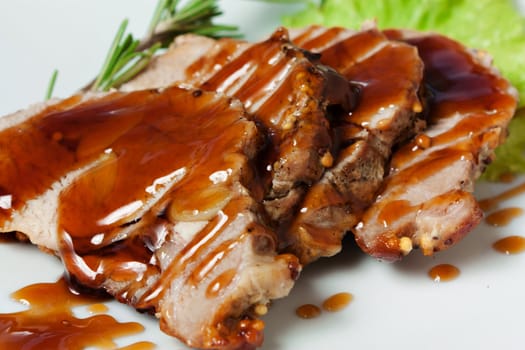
{"type": "Point", "coordinates": [150, 196]}
{"type": "Point", "coordinates": [426, 201]}
{"type": "Point", "coordinates": [388, 74]}
{"type": "Point", "coordinates": [284, 92]}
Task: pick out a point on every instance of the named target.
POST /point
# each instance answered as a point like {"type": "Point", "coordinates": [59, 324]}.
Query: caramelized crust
{"type": "Point", "coordinates": [426, 201]}
{"type": "Point", "coordinates": [284, 92]}
{"type": "Point", "coordinates": [147, 195]}
{"type": "Point", "coordinates": [388, 74]}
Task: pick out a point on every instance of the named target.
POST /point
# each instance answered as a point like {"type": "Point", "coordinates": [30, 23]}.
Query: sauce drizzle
{"type": "Point", "coordinates": [49, 322]}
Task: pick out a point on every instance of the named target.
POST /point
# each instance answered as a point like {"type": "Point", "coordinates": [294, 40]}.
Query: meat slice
{"type": "Point", "coordinates": [285, 93]}
{"type": "Point", "coordinates": [388, 74]}
{"type": "Point", "coordinates": [150, 196]}
{"type": "Point", "coordinates": [426, 201]}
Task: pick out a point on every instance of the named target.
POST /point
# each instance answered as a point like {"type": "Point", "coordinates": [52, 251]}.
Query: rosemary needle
{"type": "Point", "coordinates": [111, 57]}
{"type": "Point", "coordinates": [128, 56]}
{"type": "Point", "coordinates": [51, 85]}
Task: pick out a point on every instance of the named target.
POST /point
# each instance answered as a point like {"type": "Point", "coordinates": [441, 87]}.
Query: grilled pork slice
{"type": "Point", "coordinates": [150, 196]}
{"type": "Point", "coordinates": [389, 74]}
{"type": "Point", "coordinates": [284, 92]}
{"type": "Point", "coordinates": [426, 201]}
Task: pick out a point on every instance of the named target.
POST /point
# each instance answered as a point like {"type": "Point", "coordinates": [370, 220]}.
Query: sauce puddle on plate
{"type": "Point", "coordinates": [334, 303]}
{"type": "Point", "coordinates": [492, 202]}
{"type": "Point", "coordinates": [504, 216]}
{"type": "Point", "coordinates": [49, 323]}
{"type": "Point", "coordinates": [510, 245]}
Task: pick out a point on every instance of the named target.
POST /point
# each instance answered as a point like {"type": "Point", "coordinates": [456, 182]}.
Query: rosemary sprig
{"type": "Point", "coordinates": [51, 85]}
{"type": "Point", "coordinates": [128, 56]}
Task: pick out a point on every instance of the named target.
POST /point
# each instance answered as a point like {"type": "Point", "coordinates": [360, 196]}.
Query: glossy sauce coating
{"type": "Point", "coordinates": [145, 161]}
{"type": "Point", "coordinates": [504, 216]}
{"type": "Point", "coordinates": [443, 272]}
{"type": "Point", "coordinates": [139, 346]}
{"type": "Point", "coordinates": [49, 322]}
{"type": "Point", "coordinates": [116, 192]}
{"type": "Point", "coordinates": [510, 245]}
{"type": "Point", "coordinates": [287, 94]}
{"type": "Point", "coordinates": [366, 135]}
{"type": "Point", "coordinates": [469, 107]}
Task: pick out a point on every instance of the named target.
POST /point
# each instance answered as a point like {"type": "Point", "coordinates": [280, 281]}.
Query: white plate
{"type": "Point", "coordinates": [395, 305]}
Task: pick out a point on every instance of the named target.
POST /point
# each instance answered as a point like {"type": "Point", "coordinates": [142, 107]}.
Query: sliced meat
{"type": "Point", "coordinates": [426, 201]}
{"type": "Point", "coordinates": [389, 74]}
{"type": "Point", "coordinates": [285, 93]}
{"type": "Point", "coordinates": [148, 195]}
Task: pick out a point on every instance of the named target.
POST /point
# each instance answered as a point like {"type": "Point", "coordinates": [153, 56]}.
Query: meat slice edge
{"type": "Point", "coordinates": [198, 240]}
{"type": "Point", "coordinates": [389, 74]}
{"type": "Point", "coordinates": [284, 92]}
{"type": "Point", "coordinates": [427, 199]}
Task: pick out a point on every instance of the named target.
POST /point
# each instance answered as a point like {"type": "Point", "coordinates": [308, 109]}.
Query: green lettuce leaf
{"type": "Point", "coordinates": [509, 156]}
{"type": "Point", "coordinates": [492, 25]}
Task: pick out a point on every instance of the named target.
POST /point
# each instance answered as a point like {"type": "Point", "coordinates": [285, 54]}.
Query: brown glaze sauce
{"type": "Point", "coordinates": [164, 145]}
{"type": "Point", "coordinates": [144, 160]}
{"type": "Point", "coordinates": [492, 202]}
{"type": "Point", "coordinates": [510, 245]}
{"type": "Point", "coordinates": [393, 211]}
{"type": "Point", "coordinates": [308, 311]}
{"type": "Point", "coordinates": [334, 303]}
{"type": "Point", "coordinates": [476, 92]}
{"type": "Point", "coordinates": [219, 283]}
{"type": "Point", "coordinates": [467, 104]}
{"type": "Point", "coordinates": [337, 302]}
{"type": "Point", "coordinates": [49, 323]}
{"type": "Point", "coordinates": [269, 77]}
{"type": "Point", "coordinates": [363, 59]}
{"type": "Point", "coordinates": [98, 308]}
{"type": "Point", "coordinates": [139, 346]}
{"type": "Point", "coordinates": [504, 216]}
{"type": "Point", "coordinates": [443, 272]}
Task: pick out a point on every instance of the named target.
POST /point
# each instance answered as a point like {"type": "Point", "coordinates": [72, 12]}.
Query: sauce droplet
{"type": "Point", "coordinates": [510, 245]}
{"type": "Point", "coordinates": [308, 311]}
{"type": "Point", "coordinates": [504, 216]}
{"type": "Point", "coordinates": [337, 302]}
{"type": "Point", "coordinates": [507, 177]}
{"type": "Point", "coordinates": [491, 202]}
{"type": "Point", "coordinates": [443, 272]}
{"type": "Point", "coordinates": [49, 322]}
